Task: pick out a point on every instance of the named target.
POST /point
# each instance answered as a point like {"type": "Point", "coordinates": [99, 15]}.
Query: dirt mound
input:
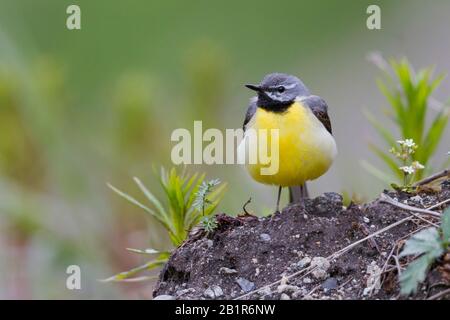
{"type": "Point", "coordinates": [295, 251]}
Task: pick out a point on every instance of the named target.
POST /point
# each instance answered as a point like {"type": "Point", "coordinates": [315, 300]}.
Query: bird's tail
{"type": "Point", "coordinates": [298, 193]}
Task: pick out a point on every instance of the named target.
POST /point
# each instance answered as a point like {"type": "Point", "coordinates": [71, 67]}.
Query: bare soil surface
{"type": "Point", "coordinates": [291, 250]}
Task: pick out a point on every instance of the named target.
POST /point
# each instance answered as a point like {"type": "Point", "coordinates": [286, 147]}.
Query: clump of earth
{"type": "Point", "coordinates": [292, 254]}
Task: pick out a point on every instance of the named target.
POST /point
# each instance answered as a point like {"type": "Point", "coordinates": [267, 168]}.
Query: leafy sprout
{"type": "Point", "coordinates": [202, 202]}
{"type": "Point", "coordinates": [188, 200]}
{"type": "Point", "coordinates": [209, 223]}
{"type": "Point", "coordinates": [428, 244]}
{"type": "Point", "coordinates": [409, 96]}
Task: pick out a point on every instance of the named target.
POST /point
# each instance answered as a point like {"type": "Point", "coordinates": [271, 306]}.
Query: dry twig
{"type": "Point", "coordinates": [244, 207]}
{"type": "Point", "coordinates": [437, 205]}
{"type": "Point", "coordinates": [385, 198]}
{"type": "Point", "coordinates": [439, 294]}
{"type": "Point", "coordinates": [432, 178]}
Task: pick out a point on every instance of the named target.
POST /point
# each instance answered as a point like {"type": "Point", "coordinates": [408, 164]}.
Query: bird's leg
{"type": "Point", "coordinates": [278, 199]}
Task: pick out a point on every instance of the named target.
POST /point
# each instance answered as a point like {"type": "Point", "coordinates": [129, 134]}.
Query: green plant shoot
{"type": "Point", "coordinates": [178, 214]}
{"type": "Point", "coordinates": [429, 244]}
{"type": "Point", "coordinates": [201, 202]}
{"type": "Point", "coordinates": [408, 94]}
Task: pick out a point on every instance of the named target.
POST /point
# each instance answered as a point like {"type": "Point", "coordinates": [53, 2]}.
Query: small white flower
{"type": "Point", "coordinates": [417, 165]}
{"type": "Point", "coordinates": [409, 143]}
{"type": "Point", "coordinates": [407, 169]}
{"type": "Point", "coordinates": [401, 142]}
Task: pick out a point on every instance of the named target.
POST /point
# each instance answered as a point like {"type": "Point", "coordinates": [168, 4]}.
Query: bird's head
{"type": "Point", "coordinates": [278, 90]}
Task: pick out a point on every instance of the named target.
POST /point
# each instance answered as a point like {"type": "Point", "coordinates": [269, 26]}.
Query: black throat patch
{"type": "Point", "coordinates": [274, 106]}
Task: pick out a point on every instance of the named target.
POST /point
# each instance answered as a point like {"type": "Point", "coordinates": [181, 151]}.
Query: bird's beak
{"type": "Point", "coordinates": [254, 87]}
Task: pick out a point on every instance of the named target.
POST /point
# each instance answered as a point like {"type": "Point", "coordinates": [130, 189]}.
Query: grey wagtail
{"type": "Point", "coordinates": [306, 145]}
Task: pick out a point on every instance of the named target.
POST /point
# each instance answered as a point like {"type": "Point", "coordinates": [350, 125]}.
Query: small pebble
{"type": "Point", "coordinates": [307, 280]}
{"type": "Point", "coordinates": [265, 291]}
{"type": "Point", "coordinates": [286, 288]}
{"type": "Point", "coordinates": [164, 297]}
{"type": "Point", "coordinates": [213, 292]}
{"type": "Point", "coordinates": [321, 266]}
{"type": "Point", "coordinates": [329, 284]}
{"type": "Point", "coordinates": [284, 296]}
{"type": "Point", "coordinates": [184, 291]}
{"type": "Point", "coordinates": [284, 280]}
{"type": "Point", "coordinates": [245, 285]}
{"type": "Point", "coordinates": [225, 270]}
{"type": "Point", "coordinates": [417, 199]}
{"type": "Point", "coordinates": [304, 262]}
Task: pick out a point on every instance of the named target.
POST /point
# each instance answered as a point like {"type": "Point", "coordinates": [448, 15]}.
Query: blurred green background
{"type": "Point", "coordinates": [82, 108]}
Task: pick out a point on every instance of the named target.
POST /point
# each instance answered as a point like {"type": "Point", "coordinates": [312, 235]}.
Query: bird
{"type": "Point", "coordinates": [307, 147]}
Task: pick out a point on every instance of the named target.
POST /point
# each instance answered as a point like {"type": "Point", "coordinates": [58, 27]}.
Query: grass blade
{"type": "Point", "coordinates": [387, 159]}
{"type": "Point", "coordinates": [152, 199]}
{"type": "Point", "coordinates": [132, 272]}
{"type": "Point", "coordinates": [377, 173]}
{"type": "Point", "coordinates": [384, 132]}
{"type": "Point", "coordinates": [144, 251]}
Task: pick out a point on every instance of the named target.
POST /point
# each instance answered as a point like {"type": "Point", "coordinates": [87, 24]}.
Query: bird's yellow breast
{"type": "Point", "coordinates": [306, 148]}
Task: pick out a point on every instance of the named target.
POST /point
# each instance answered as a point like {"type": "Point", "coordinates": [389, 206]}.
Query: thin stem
{"type": "Point", "coordinates": [405, 174]}
{"type": "Point", "coordinates": [387, 199]}
{"type": "Point", "coordinates": [203, 205]}
{"type": "Point", "coordinates": [433, 177]}
{"type": "Point", "coordinates": [439, 295]}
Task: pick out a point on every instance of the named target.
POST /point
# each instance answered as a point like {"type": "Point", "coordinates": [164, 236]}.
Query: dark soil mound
{"type": "Point", "coordinates": [294, 251]}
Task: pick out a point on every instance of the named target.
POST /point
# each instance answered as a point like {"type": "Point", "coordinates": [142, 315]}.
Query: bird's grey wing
{"type": "Point", "coordinates": [251, 110]}
{"type": "Point", "coordinates": [320, 109]}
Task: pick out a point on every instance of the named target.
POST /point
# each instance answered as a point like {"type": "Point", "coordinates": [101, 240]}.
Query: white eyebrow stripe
{"type": "Point", "coordinates": [292, 85]}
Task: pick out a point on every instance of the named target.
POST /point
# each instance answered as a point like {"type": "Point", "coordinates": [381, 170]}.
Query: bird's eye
{"type": "Point", "coordinates": [281, 89]}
